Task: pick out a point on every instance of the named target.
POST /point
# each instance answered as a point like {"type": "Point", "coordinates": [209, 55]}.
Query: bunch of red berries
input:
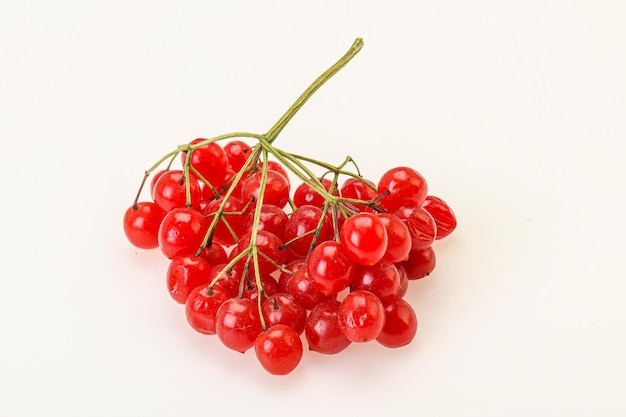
{"type": "Point", "coordinates": [260, 263]}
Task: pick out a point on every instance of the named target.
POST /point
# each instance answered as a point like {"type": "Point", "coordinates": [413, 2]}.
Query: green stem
{"type": "Point", "coordinates": [282, 122]}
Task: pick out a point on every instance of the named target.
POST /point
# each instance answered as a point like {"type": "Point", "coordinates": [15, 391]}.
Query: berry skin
{"type": "Point", "coordinates": [322, 330]}
{"type": "Point", "coordinates": [185, 273]}
{"type": "Point", "coordinates": [381, 279]}
{"type": "Point", "coordinates": [304, 194]}
{"type": "Point", "coordinates": [420, 264]}
{"type": "Point", "coordinates": [300, 226]}
{"type": "Point", "coordinates": [405, 186]}
{"type": "Point", "coordinates": [237, 153]}
{"type": "Point", "coordinates": [238, 324]}
{"type": "Point", "coordinates": [398, 238]}
{"type": "Point", "coordinates": [170, 191]}
{"type": "Point", "coordinates": [273, 219]}
{"type": "Point", "coordinates": [400, 324]}
{"type": "Point", "coordinates": [215, 254]}
{"type": "Point", "coordinates": [278, 349]}
{"type": "Point", "coordinates": [268, 244]}
{"type": "Point", "coordinates": [404, 280]}
{"type": "Point", "coordinates": [303, 290]}
{"type": "Point", "coordinates": [141, 224]}
{"type": "Point", "coordinates": [361, 316]}
{"type": "Point", "coordinates": [442, 214]}
{"type": "Point", "coordinates": [201, 307]}
{"type": "Point", "coordinates": [359, 190]}
{"type": "Point", "coordinates": [421, 225]}
{"type": "Point", "coordinates": [276, 188]}
{"type": "Point", "coordinates": [364, 238]}
{"type": "Point", "coordinates": [251, 291]}
{"type": "Point", "coordinates": [234, 217]}
{"type": "Point", "coordinates": [330, 270]}
{"type": "Point", "coordinates": [276, 166]}
{"type": "Point", "coordinates": [282, 308]}
{"type": "Point", "coordinates": [181, 232]}
{"type": "Point", "coordinates": [209, 160]}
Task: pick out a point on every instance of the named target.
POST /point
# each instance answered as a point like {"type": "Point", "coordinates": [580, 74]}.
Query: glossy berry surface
{"type": "Point", "coordinates": [364, 238]}
{"type": "Point", "coordinates": [141, 224]}
{"type": "Point", "coordinates": [358, 189]}
{"type": "Point", "coordinates": [403, 186]}
{"type": "Point", "coordinates": [170, 191]}
{"type": "Point", "coordinates": [300, 229]}
{"type": "Point", "coordinates": [282, 308]}
{"type": "Point", "coordinates": [276, 188]}
{"type": "Point", "coordinates": [399, 239]}
{"type": "Point", "coordinates": [322, 330]}
{"type": "Point", "coordinates": [201, 307]}
{"type": "Point", "coordinates": [421, 263]}
{"type": "Point", "coordinates": [361, 316]}
{"type": "Point", "coordinates": [238, 323]}
{"type": "Point", "coordinates": [209, 160]}
{"type": "Point", "coordinates": [400, 324]}
{"type": "Point", "coordinates": [279, 349]}
{"type": "Point", "coordinates": [330, 270]}
{"type": "Point", "coordinates": [443, 215]}
{"type": "Point", "coordinates": [181, 232]}
{"type": "Point", "coordinates": [381, 279]}
{"type": "Point", "coordinates": [185, 273]}
{"type": "Point", "coordinates": [421, 225]}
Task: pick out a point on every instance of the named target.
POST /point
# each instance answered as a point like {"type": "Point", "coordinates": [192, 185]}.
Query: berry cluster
{"type": "Point", "coordinates": [260, 263]}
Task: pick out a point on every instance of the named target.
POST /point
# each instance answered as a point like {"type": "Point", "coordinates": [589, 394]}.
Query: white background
{"type": "Point", "coordinates": [514, 111]}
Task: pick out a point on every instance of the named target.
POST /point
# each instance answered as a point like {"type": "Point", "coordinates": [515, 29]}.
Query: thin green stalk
{"type": "Point", "coordinates": [326, 75]}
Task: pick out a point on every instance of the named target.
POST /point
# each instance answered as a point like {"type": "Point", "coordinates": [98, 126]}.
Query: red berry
{"type": "Point", "coordinates": [404, 186]}
{"type": "Point", "coordinates": [322, 330]}
{"type": "Point", "coordinates": [276, 188]}
{"type": "Point", "coordinates": [404, 280]}
{"type": "Point", "coordinates": [381, 279]}
{"type": "Point", "coordinates": [215, 254]}
{"type": "Point", "coordinates": [330, 270]}
{"type": "Point", "coordinates": [304, 291]}
{"type": "Point", "coordinates": [398, 238]}
{"type": "Point", "coordinates": [267, 244]}
{"type": "Point", "coordinates": [155, 178]}
{"type": "Point", "coordinates": [237, 153]}
{"type": "Point", "coordinates": [278, 349]}
{"type": "Point", "coordinates": [251, 291]}
{"type": "Point", "coordinates": [361, 316]}
{"type": "Point", "coordinates": [181, 232]}
{"type": "Point", "coordinates": [442, 214]}
{"type": "Point", "coordinates": [359, 189]}
{"type": "Point", "coordinates": [420, 264]}
{"type": "Point", "coordinates": [237, 323]}
{"type": "Point", "coordinates": [400, 324]}
{"type": "Point", "coordinates": [288, 272]}
{"type": "Point", "coordinates": [300, 228]}
{"type": "Point", "coordinates": [201, 307]}
{"type": "Point", "coordinates": [185, 273]}
{"type": "Point", "coordinates": [141, 224]}
{"type": "Point", "coordinates": [229, 280]}
{"type": "Point", "coordinates": [305, 194]}
{"type": "Point", "coordinates": [276, 166]}
{"type": "Point", "coordinates": [282, 308]}
{"type": "Point", "coordinates": [209, 160]}
{"type": "Point", "coordinates": [231, 222]}
{"type": "Point", "coordinates": [273, 219]}
{"type": "Point", "coordinates": [170, 191]}
{"type": "Point", "coordinates": [421, 225]}
{"type": "Point", "coordinates": [364, 238]}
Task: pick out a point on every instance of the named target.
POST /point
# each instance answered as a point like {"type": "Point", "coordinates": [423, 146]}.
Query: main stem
{"type": "Point", "coordinates": [282, 122]}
